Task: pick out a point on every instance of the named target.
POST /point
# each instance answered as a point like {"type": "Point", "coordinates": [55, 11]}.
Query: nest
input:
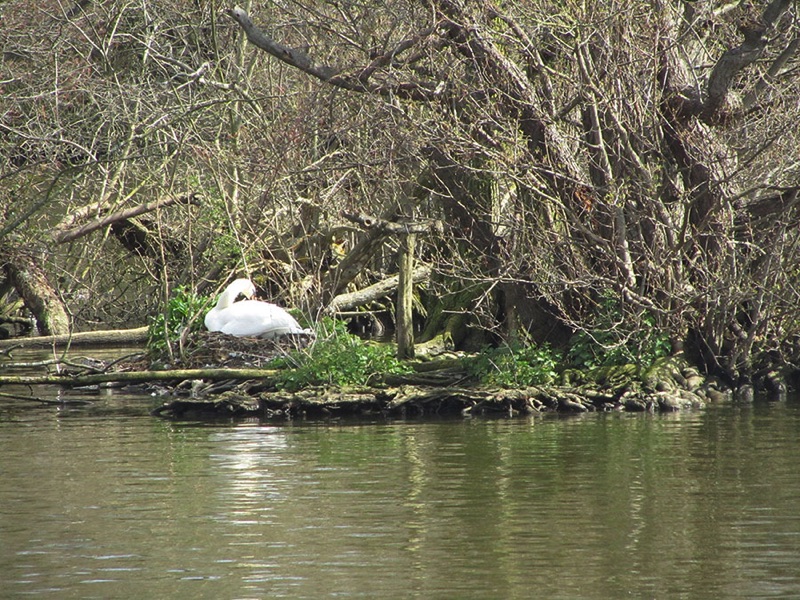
{"type": "Point", "coordinates": [212, 349]}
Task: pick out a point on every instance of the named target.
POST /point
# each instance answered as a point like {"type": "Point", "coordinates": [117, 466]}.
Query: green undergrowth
{"type": "Point", "coordinates": [615, 338]}
{"type": "Point", "coordinates": [514, 367]}
{"type": "Point", "coordinates": [183, 309]}
{"type": "Point", "coordinates": [608, 355]}
{"type": "Point", "coordinates": [337, 358]}
{"type": "Point", "coordinates": [604, 356]}
{"type": "Point", "coordinates": [518, 367]}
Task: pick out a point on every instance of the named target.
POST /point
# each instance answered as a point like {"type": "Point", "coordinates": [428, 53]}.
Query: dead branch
{"type": "Point", "coordinates": [338, 278]}
{"type": "Point", "coordinates": [395, 226]}
{"type": "Point", "coordinates": [62, 402]}
{"type": "Point", "coordinates": [67, 235]}
{"type": "Point", "coordinates": [377, 229]}
{"type": "Point", "coordinates": [410, 90]}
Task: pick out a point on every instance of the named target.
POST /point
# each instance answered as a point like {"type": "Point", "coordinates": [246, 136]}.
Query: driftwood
{"type": "Point", "coordinates": [86, 338]}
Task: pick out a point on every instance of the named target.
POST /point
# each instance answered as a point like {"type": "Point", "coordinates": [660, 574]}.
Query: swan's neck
{"type": "Point", "coordinates": [226, 299]}
{"type": "Point", "coordinates": [240, 286]}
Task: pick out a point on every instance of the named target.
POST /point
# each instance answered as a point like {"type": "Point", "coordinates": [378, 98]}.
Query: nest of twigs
{"type": "Point", "coordinates": [206, 349]}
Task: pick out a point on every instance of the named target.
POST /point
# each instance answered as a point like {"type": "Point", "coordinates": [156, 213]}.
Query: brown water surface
{"type": "Point", "coordinates": [104, 501]}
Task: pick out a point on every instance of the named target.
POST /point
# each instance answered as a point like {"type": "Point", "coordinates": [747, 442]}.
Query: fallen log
{"type": "Point", "coordinates": [130, 377]}
{"type": "Point", "coordinates": [85, 338]}
{"type": "Point", "coordinates": [33, 285]}
{"type": "Point", "coordinates": [376, 291]}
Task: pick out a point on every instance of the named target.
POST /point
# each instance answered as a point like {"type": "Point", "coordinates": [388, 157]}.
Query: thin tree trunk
{"type": "Point", "coordinates": [405, 298]}
{"type": "Point", "coordinates": [139, 376]}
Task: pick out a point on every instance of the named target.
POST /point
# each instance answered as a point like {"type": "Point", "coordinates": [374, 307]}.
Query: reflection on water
{"type": "Point", "coordinates": [113, 503]}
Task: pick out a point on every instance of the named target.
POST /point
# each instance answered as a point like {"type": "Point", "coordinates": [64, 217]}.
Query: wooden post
{"type": "Point", "coordinates": [405, 298]}
{"type": "Point", "coordinates": [407, 231]}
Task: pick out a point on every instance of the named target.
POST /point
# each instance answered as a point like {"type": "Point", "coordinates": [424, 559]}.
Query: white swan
{"type": "Point", "coordinates": [251, 318]}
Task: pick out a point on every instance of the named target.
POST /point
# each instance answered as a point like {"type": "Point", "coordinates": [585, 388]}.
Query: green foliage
{"type": "Point", "coordinates": [338, 358]}
{"type": "Point", "coordinates": [183, 309]}
{"type": "Point", "coordinates": [515, 367]}
{"type": "Point", "coordinates": [617, 340]}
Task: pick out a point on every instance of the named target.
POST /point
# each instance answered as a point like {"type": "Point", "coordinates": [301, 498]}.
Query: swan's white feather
{"type": "Point", "coordinates": [250, 318]}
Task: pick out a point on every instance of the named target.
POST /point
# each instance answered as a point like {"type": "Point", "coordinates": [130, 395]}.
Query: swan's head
{"type": "Point", "coordinates": [244, 287]}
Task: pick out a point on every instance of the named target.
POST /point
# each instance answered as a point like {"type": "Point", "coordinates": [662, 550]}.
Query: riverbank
{"type": "Point", "coordinates": [220, 376]}
{"type": "Point", "coordinates": [444, 387]}
{"type": "Point", "coordinates": [419, 401]}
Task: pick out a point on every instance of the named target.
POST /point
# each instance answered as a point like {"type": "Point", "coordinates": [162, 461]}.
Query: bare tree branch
{"type": "Point", "coordinates": [376, 291]}
{"type": "Point", "coordinates": [68, 235]}
{"type": "Point", "coordinates": [736, 59]}
{"type": "Point", "coordinates": [774, 69]}
{"type": "Point", "coordinates": [411, 90]}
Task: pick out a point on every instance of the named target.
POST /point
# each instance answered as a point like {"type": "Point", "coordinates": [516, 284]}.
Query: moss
{"type": "Point", "coordinates": [664, 373]}
{"type": "Point", "coordinates": [615, 376]}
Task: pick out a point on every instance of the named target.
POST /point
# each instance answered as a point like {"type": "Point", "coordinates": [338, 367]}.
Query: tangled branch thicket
{"type": "Point", "coordinates": [635, 159]}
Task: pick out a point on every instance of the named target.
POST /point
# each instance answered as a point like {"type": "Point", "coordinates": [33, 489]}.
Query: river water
{"type": "Point", "coordinates": [105, 501]}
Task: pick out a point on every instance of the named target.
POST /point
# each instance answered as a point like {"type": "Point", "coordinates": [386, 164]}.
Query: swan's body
{"type": "Point", "coordinates": [250, 318]}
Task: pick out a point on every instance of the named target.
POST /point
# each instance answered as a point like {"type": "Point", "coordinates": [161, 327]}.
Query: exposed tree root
{"type": "Point", "coordinates": [421, 401]}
